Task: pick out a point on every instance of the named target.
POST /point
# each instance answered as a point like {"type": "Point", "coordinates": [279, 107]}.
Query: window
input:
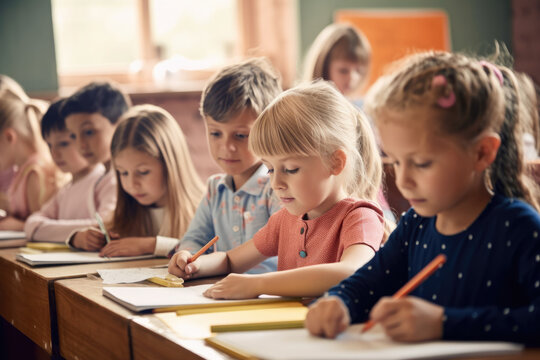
{"type": "Point", "coordinates": [167, 42]}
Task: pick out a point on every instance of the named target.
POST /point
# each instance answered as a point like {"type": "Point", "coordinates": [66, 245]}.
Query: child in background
{"type": "Point", "coordinates": [340, 54]}
{"type": "Point", "coordinates": [91, 115]}
{"type": "Point", "coordinates": [159, 187]}
{"type": "Point", "coordinates": [322, 156]}
{"type": "Point", "coordinates": [63, 213]}
{"type": "Point", "coordinates": [238, 203]}
{"type": "Point", "coordinates": [452, 126]}
{"type": "Point", "coordinates": [22, 148]}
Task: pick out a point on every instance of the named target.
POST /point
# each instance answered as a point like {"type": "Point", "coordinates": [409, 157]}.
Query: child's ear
{"type": "Point", "coordinates": [339, 159]}
{"type": "Point", "coordinates": [486, 150]}
{"type": "Point", "coordinates": [10, 135]}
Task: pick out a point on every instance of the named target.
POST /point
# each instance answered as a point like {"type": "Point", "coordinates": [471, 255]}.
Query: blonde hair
{"type": "Point", "coordinates": [316, 120]}
{"type": "Point", "coordinates": [251, 84]}
{"type": "Point", "coordinates": [481, 103]}
{"type": "Point", "coordinates": [153, 131]}
{"type": "Point", "coordinates": [336, 41]}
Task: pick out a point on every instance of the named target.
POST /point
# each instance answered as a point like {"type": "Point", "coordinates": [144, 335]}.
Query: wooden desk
{"type": "Point", "coordinates": [152, 339]}
{"type": "Point", "coordinates": [91, 326]}
{"type": "Point", "coordinates": [27, 299]}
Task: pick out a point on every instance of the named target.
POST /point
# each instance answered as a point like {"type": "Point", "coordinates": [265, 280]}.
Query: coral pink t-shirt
{"type": "Point", "coordinates": [298, 242]}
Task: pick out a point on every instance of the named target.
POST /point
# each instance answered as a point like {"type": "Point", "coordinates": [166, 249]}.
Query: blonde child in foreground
{"type": "Point", "coordinates": [239, 202]}
{"type": "Point", "coordinates": [451, 124]}
{"type": "Point", "coordinates": [159, 187]}
{"type": "Point", "coordinates": [36, 177]}
{"type": "Point", "coordinates": [63, 213]}
{"type": "Point", "coordinates": [320, 153]}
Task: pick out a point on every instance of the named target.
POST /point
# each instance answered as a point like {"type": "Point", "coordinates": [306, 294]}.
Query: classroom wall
{"type": "Point", "coordinates": [27, 44]}
{"type": "Point", "coordinates": [474, 24]}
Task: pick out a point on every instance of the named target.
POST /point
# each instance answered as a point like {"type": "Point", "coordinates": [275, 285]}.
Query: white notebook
{"type": "Point", "coordinates": [147, 298]}
{"type": "Point", "coordinates": [298, 344]}
{"type": "Point", "coordinates": [70, 258]}
{"type": "Point", "coordinates": [12, 238]}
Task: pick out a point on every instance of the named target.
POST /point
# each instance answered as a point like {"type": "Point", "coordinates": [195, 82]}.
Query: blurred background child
{"type": "Point", "coordinates": [159, 188]}
{"type": "Point", "coordinates": [35, 176]}
{"type": "Point", "coordinates": [66, 210]}
{"type": "Point", "coordinates": [91, 116]}
{"type": "Point", "coordinates": [340, 54]}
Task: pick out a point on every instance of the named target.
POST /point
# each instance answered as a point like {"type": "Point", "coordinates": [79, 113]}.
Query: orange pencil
{"type": "Point", "coordinates": [203, 249]}
{"type": "Point", "coordinates": [414, 283]}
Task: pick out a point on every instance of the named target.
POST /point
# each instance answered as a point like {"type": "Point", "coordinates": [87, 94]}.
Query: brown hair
{"type": "Point", "coordinates": [154, 131]}
{"type": "Point", "coordinates": [336, 41]}
{"type": "Point", "coordinates": [251, 84]}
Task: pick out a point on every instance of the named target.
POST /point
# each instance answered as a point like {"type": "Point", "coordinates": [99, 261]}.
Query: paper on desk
{"type": "Point", "coordinates": [298, 344]}
{"type": "Point", "coordinates": [131, 275]}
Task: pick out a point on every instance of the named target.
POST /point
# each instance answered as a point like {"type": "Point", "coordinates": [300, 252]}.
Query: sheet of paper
{"type": "Point", "coordinates": [298, 344]}
{"type": "Point", "coordinates": [145, 298]}
{"type": "Point", "coordinates": [131, 275]}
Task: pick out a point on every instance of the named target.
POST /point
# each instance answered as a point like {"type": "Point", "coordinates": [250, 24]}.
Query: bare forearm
{"type": "Point", "coordinates": [306, 281]}
{"type": "Point", "coordinates": [213, 264]}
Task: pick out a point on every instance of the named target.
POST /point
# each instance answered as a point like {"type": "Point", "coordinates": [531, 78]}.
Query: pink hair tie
{"type": "Point", "coordinates": [444, 101]}
{"type": "Point", "coordinates": [494, 69]}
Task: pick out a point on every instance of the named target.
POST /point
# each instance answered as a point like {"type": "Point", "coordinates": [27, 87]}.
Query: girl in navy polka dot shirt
{"type": "Point", "coordinates": [451, 125]}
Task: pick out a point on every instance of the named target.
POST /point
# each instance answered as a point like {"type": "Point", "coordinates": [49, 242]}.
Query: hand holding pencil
{"type": "Point", "coordinates": [181, 264]}
{"type": "Point", "coordinates": [410, 318]}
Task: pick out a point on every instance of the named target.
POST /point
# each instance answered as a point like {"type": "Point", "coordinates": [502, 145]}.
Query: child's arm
{"type": "Point", "coordinates": [239, 259]}
{"type": "Point", "coordinates": [11, 223]}
{"type": "Point", "coordinates": [311, 280]}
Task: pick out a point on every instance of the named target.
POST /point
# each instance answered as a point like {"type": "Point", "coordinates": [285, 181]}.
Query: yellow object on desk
{"type": "Point", "coordinates": [47, 246]}
{"type": "Point", "coordinates": [169, 281]}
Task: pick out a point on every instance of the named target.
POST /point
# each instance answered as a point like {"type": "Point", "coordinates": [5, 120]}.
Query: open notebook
{"type": "Point", "coordinates": [147, 298]}
{"type": "Point", "coordinates": [298, 344]}
{"type": "Point", "coordinates": [70, 258]}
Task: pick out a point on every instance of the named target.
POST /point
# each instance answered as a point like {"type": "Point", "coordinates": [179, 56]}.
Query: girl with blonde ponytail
{"type": "Point", "coordinates": [23, 148]}
{"type": "Point", "coordinates": [325, 168]}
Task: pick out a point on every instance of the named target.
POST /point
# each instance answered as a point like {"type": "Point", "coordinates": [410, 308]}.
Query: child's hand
{"type": "Point", "coordinates": [234, 286]}
{"type": "Point", "coordinates": [89, 240]}
{"type": "Point", "coordinates": [409, 318]}
{"type": "Point", "coordinates": [178, 265]}
{"type": "Point", "coordinates": [328, 317]}
{"type": "Point", "coordinates": [130, 246]}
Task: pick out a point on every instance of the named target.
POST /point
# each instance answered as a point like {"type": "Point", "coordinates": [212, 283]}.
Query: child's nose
{"type": "Point", "coordinates": [277, 182]}
{"type": "Point", "coordinates": [403, 178]}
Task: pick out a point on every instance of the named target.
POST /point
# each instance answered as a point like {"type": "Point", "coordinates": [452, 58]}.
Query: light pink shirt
{"type": "Point", "coordinates": [16, 194]}
{"type": "Point", "coordinates": [74, 206]}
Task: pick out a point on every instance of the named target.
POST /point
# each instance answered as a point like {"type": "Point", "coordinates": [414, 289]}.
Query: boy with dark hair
{"type": "Point", "coordinates": [63, 213]}
{"type": "Point", "coordinates": [91, 115]}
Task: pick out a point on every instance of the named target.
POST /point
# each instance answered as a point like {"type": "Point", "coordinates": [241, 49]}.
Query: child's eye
{"type": "Point", "coordinates": [423, 165]}
{"type": "Point", "coordinates": [123, 173]}
{"type": "Point", "coordinates": [64, 144]}
{"type": "Point", "coordinates": [215, 133]}
{"type": "Point", "coordinates": [242, 136]}
{"type": "Point", "coordinates": [88, 132]}
{"type": "Point", "coordinates": [292, 171]}
{"type": "Point", "coordinates": [72, 136]}
{"type": "Point", "coordinates": [145, 172]}
{"type": "Point", "coordinates": [270, 171]}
